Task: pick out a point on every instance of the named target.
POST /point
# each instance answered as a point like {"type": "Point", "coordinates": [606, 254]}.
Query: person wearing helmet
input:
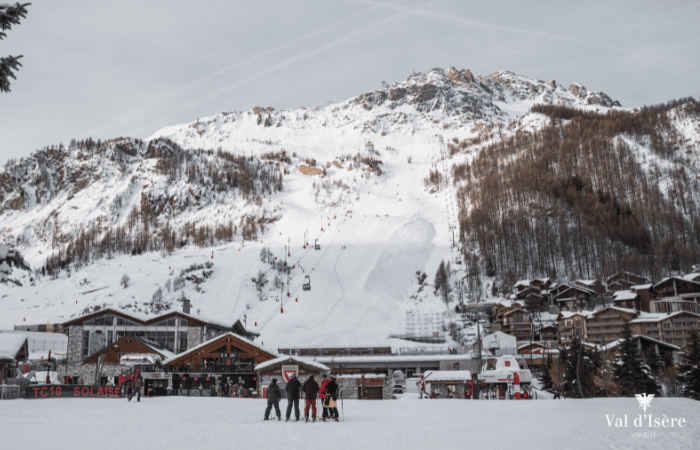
{"type": "Point", "coordinates": [292, 389]}
{"type": "Point", "coordinates": [273, 399]}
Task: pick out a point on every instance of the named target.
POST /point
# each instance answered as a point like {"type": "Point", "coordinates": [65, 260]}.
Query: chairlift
{"type": "Point", "coordinates": [307, 285]}
{"type": "Point", "coordinates": [316, 246]}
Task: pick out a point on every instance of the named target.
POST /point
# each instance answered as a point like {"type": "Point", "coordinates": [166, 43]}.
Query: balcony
{"type": "Point", "coordinates": [242, 367]}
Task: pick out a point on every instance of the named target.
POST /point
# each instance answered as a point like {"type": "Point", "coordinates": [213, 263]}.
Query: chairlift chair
{"type": "Point", "coordinates": [307, 286]}
{"type": "Point", "coordinates": [316, 246]}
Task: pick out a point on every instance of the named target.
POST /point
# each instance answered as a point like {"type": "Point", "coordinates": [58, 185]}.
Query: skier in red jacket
{"type": "Point", "coordinates": [322, 395]}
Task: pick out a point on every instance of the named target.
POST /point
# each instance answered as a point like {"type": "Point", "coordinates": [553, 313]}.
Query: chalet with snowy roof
{"type": "Point", "coordinates": [606, 324]}
{"type": "Point", "coordinates": [534, 298]}
{"type": "Point", "coordinates": [622, 281]}
{"type": "Point", "coordinates": [572, 322]}
{"type": "Point", "coordinates": [685, 288]}
{"type": "Point", "coordinates": [516, 322]}
{"type": "Point", "coordinates": [226, 358]}
{"type": "Point", "coordinates": [13, 349]}
{"type": "Point", "coordinates": [575, 297]}
{"type": "Point", "coordinates": [673, 328]}
{"type": "Point", "coordinates": [595, 285]}
{"type": "Point", "coordinates": [627, 299]}
{"type": "Point", "coordinates": [174, 330]}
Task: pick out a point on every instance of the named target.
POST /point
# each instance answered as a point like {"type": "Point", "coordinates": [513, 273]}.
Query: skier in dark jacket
{"type": "Point", "coordinates": [273, 399]}
{"type": "Point", "coordinates": [292, 389]}
{"type": "Point", "coordinates": [310, 389]}
{"type": "Point", "coordinates": [330, 402]}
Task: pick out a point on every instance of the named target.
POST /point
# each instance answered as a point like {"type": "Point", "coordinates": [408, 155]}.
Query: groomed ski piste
{"type": "Point", "coordinates": [406, 423]}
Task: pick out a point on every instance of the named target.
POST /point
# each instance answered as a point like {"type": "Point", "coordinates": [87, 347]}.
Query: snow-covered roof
{"type": "Point", "coordinates": [641, 287]}
{"type": "Point", "coordinates": [614, 344]}
{"type": "Point", "coordinates": [390, 358]}
{"type": "Point", "coordinates": [293, 359]}
{"type": "Point", "coordinates": [448, 375]}
{"type": "Point", "coordinates": [44, 355]}
{"type": "Point", "coordinates": [657, 317]}
{"type": "Point", "coordinates": [616, 308]}
{"type": "Point", "coordinates": [522, 283]}
{"type": "Point", "coordinates": [587, 282]}
{"type": "Point", "coordinates": [691, 276]}
{"type": "Point", "coordinates": [237, 336]}
{"type": "Point", "coordinates": [147, 318]}
{"type": "Point", "coordinates": [567, 314]}
{"type": "Point", "coordinates": [156, 348]}
{"type": "Point", "coordinates": [621, 296]}
{"type": "Point", "coordinates": [10, 345]}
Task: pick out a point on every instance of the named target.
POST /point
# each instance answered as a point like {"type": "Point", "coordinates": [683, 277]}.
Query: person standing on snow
{"type": "Point", "coordinates": [292, 389]}
{"type": "Point", "coordinates": [310, 389]}
{"type": "Point", "coordinates": [421, 386]}
{"type": "Point", "coordinates": [273, 399]}
{"type": "Point", "coordinates": [331, 400]}
{"type": "Point", "coordinates": [322, 395]}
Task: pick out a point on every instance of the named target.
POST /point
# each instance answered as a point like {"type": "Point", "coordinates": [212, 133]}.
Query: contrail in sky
{"type": "Point", "coordinates": [298, 58]}
{"type": "Point", "coordinates": [437, 15]}
{"type": "Point", "coordinates": [260, 55]}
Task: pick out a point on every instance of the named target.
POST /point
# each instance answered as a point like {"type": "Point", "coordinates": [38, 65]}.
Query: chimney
{"type": "Point", "coordinates": [185, 305]}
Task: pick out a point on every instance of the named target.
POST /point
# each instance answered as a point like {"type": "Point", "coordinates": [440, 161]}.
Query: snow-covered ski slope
{"type": "Point", "coordinates": [375, 231]}
{"type": "Point", "coordinates": [408, 423]}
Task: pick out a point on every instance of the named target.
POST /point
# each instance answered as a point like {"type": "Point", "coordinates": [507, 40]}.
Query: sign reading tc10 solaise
{"type": "Point", "coordinates": [72, 391]}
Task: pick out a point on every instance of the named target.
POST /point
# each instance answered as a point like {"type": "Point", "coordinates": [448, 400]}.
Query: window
{"type": "Point", "coordinates": [183, 341]}
{"type": "Point", "coordinates": [109, 337]}
{"type": "Point", "coordinates": [183, 322]}
{"type": "Point", "coordinates": [86, 343]}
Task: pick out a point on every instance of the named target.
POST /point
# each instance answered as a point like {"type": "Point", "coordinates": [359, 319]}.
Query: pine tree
{"type": "Point", "coordinates": [9, 15]}
{"type": "Point", "coordinates": [630, 372]}
{"type": "Point", "coordinates": [689, 370]}
{"type": "Point", "coordinates": [545, 376]}
{"type": "Point", "coordinates": [580, 370]}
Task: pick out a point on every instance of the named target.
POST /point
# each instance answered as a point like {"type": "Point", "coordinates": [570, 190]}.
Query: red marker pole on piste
{"type": "Point", "coordinates": [516, 379]}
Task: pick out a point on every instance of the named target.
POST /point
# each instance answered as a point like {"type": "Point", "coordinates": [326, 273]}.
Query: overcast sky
{"type": "Point", "coordinates": [127, 68]}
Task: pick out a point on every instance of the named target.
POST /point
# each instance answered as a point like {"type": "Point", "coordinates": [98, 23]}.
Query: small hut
{"type": "Point", "coordinates": [283, 367]}
{"type": "Point", "coordinates": [449, 383]}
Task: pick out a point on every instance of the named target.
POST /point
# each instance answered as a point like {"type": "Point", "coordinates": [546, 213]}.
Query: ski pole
{"type": "Point", "coordinates": [342, 408]}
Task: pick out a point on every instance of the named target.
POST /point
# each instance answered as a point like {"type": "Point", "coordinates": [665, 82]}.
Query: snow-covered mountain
{"type": "Point", "coordinates": [241, 191]}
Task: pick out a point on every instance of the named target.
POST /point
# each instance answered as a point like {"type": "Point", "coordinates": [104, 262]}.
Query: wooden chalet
{"type": "Point", "coordinates": [570, 323]}
{"type": "Point", "coordinates": [13, 349]}
{"type": "Point", "coordinates": [575, 297]}
{"type": "Point", "coordinates": [534, 298]}
{"type": "Point", "coordinates": [174, 330]}
{"type": "Point", "coordinates": [623, 281]}
{"type": "Point", "coordinates": [674, 328]}
{"type": "Point", "coordinates": [685, 288]}
{"type": "Point", "coordinates": [627, 299]}
{"type": "Point", "coordinates": [516, 322]}
{"type": "Point", "coordinates": [228, 356]}
{"type": "Point", "coordinates": [594, 285]}
{"type": "Point", "coordinates": [607, 323]}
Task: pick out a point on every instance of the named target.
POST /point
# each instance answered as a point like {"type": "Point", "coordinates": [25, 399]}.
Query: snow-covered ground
{"type": "Point", "coordinates": [408, 423]}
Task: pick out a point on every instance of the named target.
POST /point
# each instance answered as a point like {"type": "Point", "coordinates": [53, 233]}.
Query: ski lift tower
{"type": "Point", "coordinates": [441, 145]}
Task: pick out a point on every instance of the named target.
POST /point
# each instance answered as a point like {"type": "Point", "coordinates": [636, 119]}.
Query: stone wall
{"type": "Point", "coordinates": [75, 338]}
{"type": "Point", "coordinates": [462, 364]}
{"type": "Point", "coordinates": [194, 337]}
{"type": "Point", "coordinates": [86, 372]}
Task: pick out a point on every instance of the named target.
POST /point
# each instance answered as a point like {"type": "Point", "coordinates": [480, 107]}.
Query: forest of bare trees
{"type": "Point", "coordinates": [583, 196]}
